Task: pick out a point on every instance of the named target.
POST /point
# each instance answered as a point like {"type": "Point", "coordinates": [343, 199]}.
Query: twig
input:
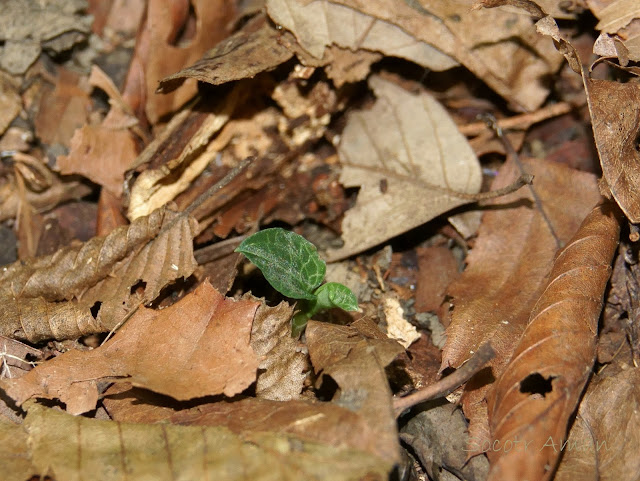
{"type": "Point", "coordinates": [519, 122]}
{"type": "Point", "coordinates": [449, 384]}
{"type": "Point", "coordinates": [511, 152]}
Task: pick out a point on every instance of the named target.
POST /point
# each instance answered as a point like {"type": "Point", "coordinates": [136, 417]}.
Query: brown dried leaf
{"type": "Point", "coordinates": [319, 24]}
{"type": "Point", "coordinates": [101, 155]}
{"type": "Point", "coordinates": [283, 361]}
{"type": "Point", "coordinates": [65, 446]}
{"type": "Point", "coordinates": [355, 357]}
{"type": "Point", "coordinates": [616, 123]}
{"type": "Point", "coordinates": [203, 341]}
{"type": "Point", "coordinates": [159, 51]}
{"type": "Point", "coordinates": [13, 357]}
{"type": "Point", "coordinates": [253, 49]}
{"type": "Point", "coordinates": [147, 250]}
{"type": "Point", "coordinates": [609, 417]}
{"type": "Point", "coordinates": [421, 158]}
{"type": "Point", "coordinates": [10, 102]}
{"type": "Point", "coordinates": [512, 256]}
{"type": "Point", "coordinates": [487, 42]}
{"type": "Point", "coordinates": [557, 348]}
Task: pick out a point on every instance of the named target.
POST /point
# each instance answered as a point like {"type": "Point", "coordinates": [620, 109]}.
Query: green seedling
{"type": "Point", "coordinates": [291, 264]}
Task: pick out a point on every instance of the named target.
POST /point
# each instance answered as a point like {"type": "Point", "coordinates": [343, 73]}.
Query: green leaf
{"type": "Point", "coordinates": [287, 260]}
{"type": "Point", "coordinates": [334, 294]}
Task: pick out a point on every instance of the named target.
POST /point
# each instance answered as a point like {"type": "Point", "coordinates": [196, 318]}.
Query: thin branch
{"type": "Point", "coordinates": [449, 384]}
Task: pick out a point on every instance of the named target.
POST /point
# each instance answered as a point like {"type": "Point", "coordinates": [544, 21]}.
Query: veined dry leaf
{"type": "Point", "coordinates": [74, 447]}
{"type": "Point", "coordinates": [512, 256]}
{"type": "Point", "coordinates": [540, 388]}
{"type": "Point", "coordinates": [609, 417]}
{"type": "Point", "coordinates": [615, 120]}
{"type": "Point", "coordinates": [255, 48]}
{"type": "Point", "coordinates": [410, 142]}
{"type": "Point", "coordinates": [487, 42]}
{"type": "Point", "coordinates": [14, 456]}
{"type": "Point", "coordinates": [155, 250]}
{"type": "Point", "coordinates": [283, 362]}
{"type": "Point", "coordinates": [615, 126]}
{"type": "Point", "coordinates": [355, 357]}
{"type": "Point", "coordinates": [203, 341]}
{"type": "Point", "coordinates": [320, 24]}
{"type": "Point", "coordinates": [615, 15]}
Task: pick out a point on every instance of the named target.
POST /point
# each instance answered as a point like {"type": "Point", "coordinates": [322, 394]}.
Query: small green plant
{"type": "Point", "coordinates": [291, 264]}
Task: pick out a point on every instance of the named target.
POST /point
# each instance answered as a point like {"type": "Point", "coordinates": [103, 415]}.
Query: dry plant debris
{"type": "Point", "coordinates": [497, 330]}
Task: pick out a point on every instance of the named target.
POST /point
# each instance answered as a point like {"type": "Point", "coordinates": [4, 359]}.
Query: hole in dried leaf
{"type": "Point", "coordinates": [138, 287]}
{"type": "Point", "coordinates": [95, 309]}
{"type": "Point", "coordinates": [536, 384]}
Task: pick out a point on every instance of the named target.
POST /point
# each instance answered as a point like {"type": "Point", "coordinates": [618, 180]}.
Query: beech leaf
{"type": "Point", "coordinates": [287, 260]}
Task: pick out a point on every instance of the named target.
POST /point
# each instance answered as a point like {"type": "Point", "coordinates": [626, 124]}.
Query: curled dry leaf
{"type": "Point", "coordinates": [506, 269]}
{"type": "Point", "coordinates": [283, 361]}
{"type": "Point", "coordinates": [355, 357]}
{"type": "Point", "coordinates": [98, 275]}
{"type": "Point", "coordinates": [540, 388]}
{"type": "Point", "coordinates": [436, 35]}
{"type": "Point", "coordinates": [203, 341]}
{"type": "Point", "coordinates": [410, 142]}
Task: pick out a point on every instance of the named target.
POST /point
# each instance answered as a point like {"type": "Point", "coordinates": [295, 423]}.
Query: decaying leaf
{"type": "Point", "coordinates": [283, 361]}
{"type": "Point", "coordinates": [540, 388]}
{"type": "Point", "coordinates": [615, 122]}
{"type": "Point", "coordinates": [355, 357]}
{"type": "Point", "coordinates": [253, 49]}
{"type": "Point", "coordinates": [605, 433]}
{"type": "Point", "coordinates": [620, 18]}
{"type": "Point", "coordinates": [409, 142]}
{"type": "Point", "coordinates": [487, 42]}
{"type": "Point", "coordinates": [10, 102]}
{"type": "Point", "coordinates": [98, 275]}
{"type": "Point", "coordinates": [203, 341]}
{"type": "Point", "coordinates": [512, 256]}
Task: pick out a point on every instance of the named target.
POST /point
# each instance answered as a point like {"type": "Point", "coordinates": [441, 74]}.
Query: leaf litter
{"type": "Point", "coordinates": [387, 145]}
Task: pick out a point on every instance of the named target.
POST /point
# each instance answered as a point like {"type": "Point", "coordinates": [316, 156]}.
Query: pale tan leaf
{"type": "Point", "coordinates": [203, 341]}
{"type": "Point", "coordinates": [410, 142]}
{"type": "Point", "coordinates": [617, 15]}
{"type": "Point", "coordinates": [73, 448]}
{"type": "Point", "coordinates": [319, 24]}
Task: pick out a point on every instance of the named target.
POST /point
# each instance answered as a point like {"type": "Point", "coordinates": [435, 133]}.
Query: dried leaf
{"type": "Point", "coordinates": [14, 458]}
{"type": "Point", "coordinates": [10, 102]}
{"type": "Point", "coordinates": [319, 24]}
{"type": "Point", "coordinates": [609, 417]}
{"type": "Point", "coordinates": [101, 273]}
{"type": "Point", "coordinates": [615, 123]}
{"type": "Point", "coordinates": [537, 393]}
{"type": "Point", "coordinates": [65, 447]}
{"type": "Point", "coordinates": [283, 362]}
{"type": "Point", "coordinates": [512, 256]}
{"type": "Point", "coordinates": [617, 15]}
{"type": "Point", "coordinates": [355, 357]}
{"type": "Point", "coordinates": [203, 341]}
{"type": "Point", "coordinates": [421, 158]}
{"type": "Point", "coordinates": [253, 49]}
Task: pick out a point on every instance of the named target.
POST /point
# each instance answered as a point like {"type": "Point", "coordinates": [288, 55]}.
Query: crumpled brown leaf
{"type": "Point", "coordinates": [203, 341]}
{"type": "Point", "coordinates": [355, 357]}
{"type": "Point", "coordinates": [540, 388]}
{"type": "Point", "coordinates": [506, 269]}
{"type": "Point", "coordinates": [98, 275]}
{"type": "Point", "coordinates": [410, 142]}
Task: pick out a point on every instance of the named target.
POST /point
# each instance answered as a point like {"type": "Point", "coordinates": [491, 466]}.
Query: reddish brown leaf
{"type": "Point", "coordinates": [506, 269]}
{"type": "Point", "coordinates": [203, 341]}
{"type": "Point", "coordinates": [355, 357]}
{"type": "Point", "coordinates": [540, 388]}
